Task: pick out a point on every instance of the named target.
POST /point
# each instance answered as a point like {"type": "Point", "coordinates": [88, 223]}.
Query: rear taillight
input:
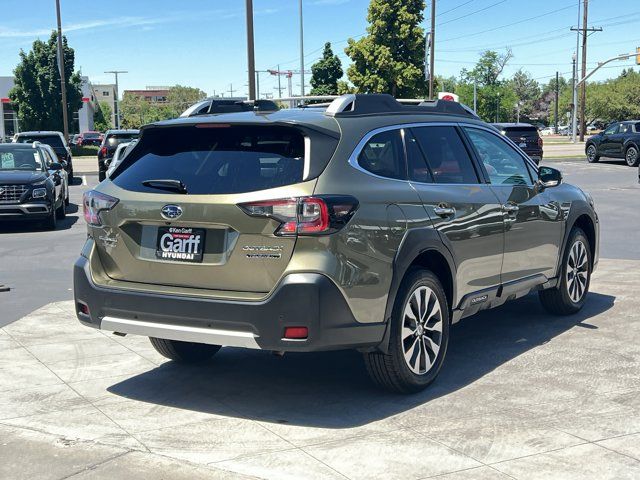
{"type": "Point", "coordinates": [305, 215]}
{"type": "Point", "coordinates": [93, 203]}
{"type": "Point", "coordinates": [103, 151]}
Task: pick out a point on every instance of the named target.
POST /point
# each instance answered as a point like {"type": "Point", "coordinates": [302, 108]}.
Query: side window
{"type": "Point", "coordinates": [383, 155]}
{"type": "Point", "coordinates": [611, 129]}
{"type": "Point", "coordinates": [625, 128]}
{"type": "Point", "coordinates": [502, 162]}
{"type": "Point", "coordinates": [446, 155]}
{"type": "Point", "coordinates": [418, 170]}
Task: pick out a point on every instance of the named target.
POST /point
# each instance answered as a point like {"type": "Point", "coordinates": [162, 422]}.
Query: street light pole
{"type": "Point", "coordinates": [432, 48]}
{"type": "Point", "coordinates": [116, 102]}
{"type": "Point", "coordinates": [63, 81]}
{"type": "Point", "coordinates": [250, 53]}
{"type": "Point", "coordinates": [301, 51]}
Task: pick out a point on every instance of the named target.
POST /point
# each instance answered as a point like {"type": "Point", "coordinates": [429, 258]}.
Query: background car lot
{"type": "Point", "coordinates": [523, 393]}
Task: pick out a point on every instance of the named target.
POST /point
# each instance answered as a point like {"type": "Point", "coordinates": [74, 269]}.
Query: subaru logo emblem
{"type": "Point", "coordinates": [171, 212]}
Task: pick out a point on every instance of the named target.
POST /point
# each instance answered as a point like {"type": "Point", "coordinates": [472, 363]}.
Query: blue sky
{"type": "Point", "coordinates": [201, 43]}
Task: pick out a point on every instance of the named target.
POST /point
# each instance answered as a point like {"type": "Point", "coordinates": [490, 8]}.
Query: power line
{"type": "Point", "coordinates": [473, 13]}
{"type": "Point", "coordinates": [507, 25]}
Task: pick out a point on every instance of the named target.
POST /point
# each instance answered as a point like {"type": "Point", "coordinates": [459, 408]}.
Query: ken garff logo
{"type": "Point", "coordinates": [171, 212]}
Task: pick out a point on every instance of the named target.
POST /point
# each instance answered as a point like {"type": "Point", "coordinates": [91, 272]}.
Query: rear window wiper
{"type": "Point", "coordinates": [166, 184]}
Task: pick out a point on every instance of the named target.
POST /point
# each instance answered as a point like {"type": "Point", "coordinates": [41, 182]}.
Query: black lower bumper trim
{"type": "Point", "coordinates": [305, 299]}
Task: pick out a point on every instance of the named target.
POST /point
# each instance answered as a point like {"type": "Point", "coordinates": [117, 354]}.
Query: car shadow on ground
{"type": "Point", "coordinates": [24, 226]}
{"type": "Point", "coordinates": [332, 389]}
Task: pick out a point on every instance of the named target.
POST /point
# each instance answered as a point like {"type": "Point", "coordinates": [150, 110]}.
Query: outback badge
{"type": "Point", "coordinates": [171, 212]}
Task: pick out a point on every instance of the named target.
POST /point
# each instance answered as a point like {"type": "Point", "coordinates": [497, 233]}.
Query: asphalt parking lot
{"type": "Point", "coordinates": [522, 394]}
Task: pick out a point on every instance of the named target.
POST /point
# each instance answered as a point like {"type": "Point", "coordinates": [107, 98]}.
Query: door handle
{"type": "Point", "coordinates": [443, 211]}
{"type": "Point", "coordinates": [510, 208]}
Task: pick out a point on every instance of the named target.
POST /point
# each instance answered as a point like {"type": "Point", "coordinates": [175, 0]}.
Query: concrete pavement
{"type": "Point", "coordinates": [522, 395]}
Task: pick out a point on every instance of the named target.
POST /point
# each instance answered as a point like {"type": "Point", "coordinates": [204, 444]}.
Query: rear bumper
{"type": "Point", "coordinates": [301, 300]}
{"type": "Point", "coordinates": [27, 211]}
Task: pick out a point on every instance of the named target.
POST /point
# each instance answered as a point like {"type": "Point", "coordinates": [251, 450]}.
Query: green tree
{"type": "Point", "coordinates": [37, 92]}
{"type": "Point", "coordinates": [390, 57]}
{"type": "Point", "coordinates": [526, 90]}
{"type": "Point", "coordinates": [326, 72]}
{"type": "Point", "coordinates": [496, 98]}
{"type": "Point", "coordinates": [180, 98]}
{"type": "Point", "coordinates": [102, 117]}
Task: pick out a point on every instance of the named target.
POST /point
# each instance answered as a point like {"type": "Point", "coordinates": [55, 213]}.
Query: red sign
{"type": "Point", "coordinates": [5, 100]}
{"type": "Point", "coordinates": [449, 98]}
{"type": "Point", "coordinates": [86, 99]}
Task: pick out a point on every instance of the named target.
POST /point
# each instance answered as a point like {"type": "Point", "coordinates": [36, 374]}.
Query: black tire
{"type": "Point", "coordinates": [592, 154]}
{"type": "Point", "coordinates": [102, 175]}
{"type": "Point", "coordinates": [558, 300]}
{"type": "Point", "coordinates": [66, 198]}
{"type": "Point", "coordinates": [61, 211]}
{"type": "Point", "coordinates": [51, 223]}
{"type": "Point", "coordinates": [185, 352]}
{"type": "Point", "coordinates": [632, 156]}
{"type": "Point", "coordinates": [391, 371]}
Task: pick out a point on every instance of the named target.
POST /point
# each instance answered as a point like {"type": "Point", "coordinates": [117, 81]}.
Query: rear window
{"type": "Point", "coordinates": [54, 140]}
{"type": "Point", "coordinates": [116, 139]}
{"type": "Point", "coordinates": [207, 161]}
{"type": "Point", "coordinates": [521, 131]}
{"type": "Point", "coordinates": [91, 135]}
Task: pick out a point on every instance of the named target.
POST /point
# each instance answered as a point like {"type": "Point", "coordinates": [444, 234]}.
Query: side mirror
{"type": "Point", "coordinates": [55, 166]}
{"type": "Point", "coordinates": [549, 177]}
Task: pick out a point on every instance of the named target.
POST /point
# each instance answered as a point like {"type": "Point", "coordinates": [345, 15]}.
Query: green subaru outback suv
{"type": "Point", "coordinates": [368, 224]}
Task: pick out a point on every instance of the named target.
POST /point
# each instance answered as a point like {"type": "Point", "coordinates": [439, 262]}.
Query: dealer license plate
{"type": "Point", "coordinates": [180, 244]}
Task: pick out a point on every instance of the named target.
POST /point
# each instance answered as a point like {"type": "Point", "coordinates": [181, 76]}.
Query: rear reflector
{"type": "Point", "coordinates": [296, 333]}
{"type": "Point", "coordinates": [83, 308]}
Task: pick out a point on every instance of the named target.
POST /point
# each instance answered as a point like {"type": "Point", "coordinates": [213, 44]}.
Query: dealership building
{"type": "Point", "coordinates": [82, 119]}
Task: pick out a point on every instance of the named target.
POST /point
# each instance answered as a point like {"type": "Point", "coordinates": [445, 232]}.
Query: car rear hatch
{"type": "Point", "coordinates": [177, 221]}
{"type": "Point", "coordinates": [526, 137]}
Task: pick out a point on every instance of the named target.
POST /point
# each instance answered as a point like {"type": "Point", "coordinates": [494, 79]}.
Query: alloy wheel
{"type": "Point", "coordinates": [591, 153]}
{"type": "Point", "coordinates": [421, 330]}
{"type": "Point", "coordinates": [577, 271]}
{"type": "Point", "coordinates": [632, 156]}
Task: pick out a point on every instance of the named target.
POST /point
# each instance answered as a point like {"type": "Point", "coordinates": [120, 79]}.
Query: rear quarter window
{"type": "Point", "coordinates": [231, 159]}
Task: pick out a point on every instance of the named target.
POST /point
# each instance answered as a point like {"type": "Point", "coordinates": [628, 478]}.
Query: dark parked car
{"type": "Point", "coordinates": [524, 135]}
{"type": "Point", "coordinates": [32, 184]}
{"type": "Point", "coordinates": [211, 106]}
{"type": "Point", "coordinates": [368, 225]}
{"type": "Point", "coordinates": [89, 138]}
{"type": "Point", "coordinates": [55, 140]}
{"type": "Point", "coordinates": [618, 140]}
{"type": "Point", "coordinates": [112, 138]}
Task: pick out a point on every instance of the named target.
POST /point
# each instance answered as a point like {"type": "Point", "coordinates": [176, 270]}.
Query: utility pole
{"type": "Point", "coordinates": [498, 107]}
{"type": "Point", "coordinates": [557, 99]}
{"type": "Point", "coordinates": [279, 86]}
{"type": "Point", "coordinates": [250, 53]}
{"type": "Point", "coordinates": [583, 86]}
{"type": "Point", "coordinates": [432, 48]}
{"type": "Point", "coordinates": [301, 51]}
{"type": "Point", "coordinates": [63, 81]}
{"type": "Point", "coordinates": [257, 85]}
{"type": "Point", "coordinates": [116, 102]}
{"type": "Point", "coordinates": [574, 81]}
{"type": "Point", "coordinates": [231, 90]}
{"type": "Point", "coordinates": [574, 122]}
